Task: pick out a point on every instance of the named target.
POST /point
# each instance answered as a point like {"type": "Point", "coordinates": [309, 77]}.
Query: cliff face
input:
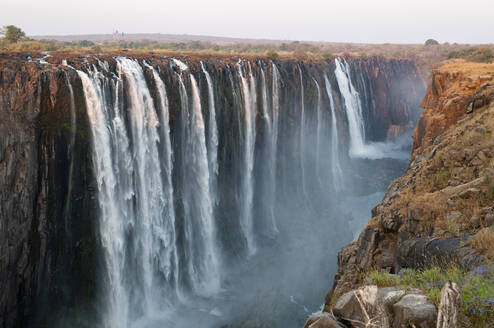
{"type": "Point", "coordinates": [446, 192]}
{"type": "Point", "coordinates": [389, 92]}
{"type": "Point", "coordinates": [49, 243]}
{"type": "Point", "coordinates": [47, 212]}
{"type": "Point", "coordinates": [450, 91]}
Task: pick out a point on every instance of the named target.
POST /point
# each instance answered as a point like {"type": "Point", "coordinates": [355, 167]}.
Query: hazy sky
{"type": "Point", "coordinates": [373, 21]}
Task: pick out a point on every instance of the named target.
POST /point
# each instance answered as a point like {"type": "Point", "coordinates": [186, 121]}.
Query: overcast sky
{"type": "Point", "coordinates": [368, 21]}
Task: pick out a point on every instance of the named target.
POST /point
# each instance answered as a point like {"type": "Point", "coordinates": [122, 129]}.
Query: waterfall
{"type": "Point", "coordinates": [179, 211]}
{"type": "Point", "coordinates": [318, 130]}
{"type": "Point", "coordinates": [113, 217]}
{"type": "Point", "coordinates": [275, 112]}
{"type": "Point", "coordinates": [168, 260]}
{"type": "Point", "coordinates": [209, 272]}
{"type": "Point", "coordinates": [250, 101]}
{"type": "Point", "coordinates": [302, 133]}
{"type": "Point", "coordinates": [201, 252]}
{"type": "Point", "coordinates": [150, 201]}
{"type": "Point", "coordinates": [353, 109]}
{"type": "Point", "coordinates": [336, 171]}
{"type": "Point", "coordinates": [269, 181]}
{"type": "Point", "coordinates": [212, 144]}
{"type": "Point", "coordinates": [70, 151]}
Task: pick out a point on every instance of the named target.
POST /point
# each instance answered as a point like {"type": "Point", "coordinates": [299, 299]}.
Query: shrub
{"type": "Point", "coordinates": [431, 42]}
{"type": "Point", "coordinates": [381, 279]}
{"type": "Point", "coordinates": [328, 55]}
{"type": "Point", "coordinates": [483, 242]}
{"type": "Point", "coordinates": [272, 54]}
{"type": "Point", "coordinates": [13, 34]}
{"type": "Point", "coordinates": [299, 54]}
{"type": "Point", "coordinates": [478, 300]}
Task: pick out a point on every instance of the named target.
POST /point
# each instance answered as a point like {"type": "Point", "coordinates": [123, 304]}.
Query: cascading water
{"type": "Point", "coordinates": [212, 136]}
{"type": "Point", "coordinates": [336, 171]}
{"type": "Point", "coordinates": [73, 128]}
{"type": "Point", "coordinates": [113, 216]}
{"type": "Point", "coordinates": [149, 197]}
{"type": "Point", "coordinates": [318, 130]}
{"type": "Point", "coordinates": [206, 271]}
{"type": "Point", "coordinates": [187, 189]}
{"type": "Point", "coordinates": [303, 155]}
{"type": "Point", "coordinates": [269, 181]}
{"type": "Point", "coordinates": [249, 95]}
{"type": "Point", "coordinates": [200, 252]}
{"type": "Point", "coordinates": [168, 261]}
{"type": "Point", "coordinates": [353, 108]}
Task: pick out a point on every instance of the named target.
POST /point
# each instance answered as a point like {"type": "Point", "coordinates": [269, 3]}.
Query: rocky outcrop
{"type": "Point", "coordinates": [46, 212]}
{"type": "Point", "coordinates": [370, 306]}
{"type": "Point", "coordinates": [445, 195]}
{"type": "Point", "coordinates": [449, 98]}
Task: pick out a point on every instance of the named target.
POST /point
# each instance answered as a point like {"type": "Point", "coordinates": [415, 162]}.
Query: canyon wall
{"type": "Point", "coordinates": [50, 231]}
{"type": "Point", "coordinates": [428, 214]}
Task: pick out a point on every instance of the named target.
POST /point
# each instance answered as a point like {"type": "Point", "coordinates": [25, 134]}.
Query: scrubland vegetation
{"type": "Point", "coordinates": [425, 55]}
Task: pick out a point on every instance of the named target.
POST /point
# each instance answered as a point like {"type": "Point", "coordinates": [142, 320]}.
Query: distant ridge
{"type": "Point", "coordinates": [164, 38]}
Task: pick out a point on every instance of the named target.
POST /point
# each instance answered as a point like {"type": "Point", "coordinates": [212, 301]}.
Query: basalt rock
{"type": "Point", "coordinates": [443, 194]}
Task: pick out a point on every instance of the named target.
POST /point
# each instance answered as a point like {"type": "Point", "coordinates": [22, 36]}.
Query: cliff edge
{"type": "Point", "coordinates": [440, 213]}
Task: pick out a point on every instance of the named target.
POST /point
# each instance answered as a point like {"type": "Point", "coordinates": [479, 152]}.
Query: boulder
{"type": "Point", "coordinates": [421, 253]}
{"type": "Point", "coordinates": [416, 310]}
{"type": "Point", "coordinates": [326, 320]}
{"type": "Point", "coordinates": [310, 321]}
{"type": "Point", "coordinates": [362, 308]}
{"type": "Point", "coordinates": [389, 296]}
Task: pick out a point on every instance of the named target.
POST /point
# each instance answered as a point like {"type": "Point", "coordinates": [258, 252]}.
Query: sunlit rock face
{"type": "Point", "coordinates": [135, 187]}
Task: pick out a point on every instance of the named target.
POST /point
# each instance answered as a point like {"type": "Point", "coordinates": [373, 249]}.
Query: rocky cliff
{"type": "Point", "coordinates": [451, 89]}
{"type": "Point", "coordinates": [50, 251]}
{"type": "Point", "coordinates": [437, 213]}
{"type": "Point", "coordinates": [46, 192]}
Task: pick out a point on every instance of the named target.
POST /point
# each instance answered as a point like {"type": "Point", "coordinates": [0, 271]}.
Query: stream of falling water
{"type": "Point", "coordinates": [336, 170]}
{"type": "Point", "coordinates": [250, 100]}
{"type": "Point", "coordinates": [169, 238]}
{"type": "Point", "coordinates": [212, 145]}
{"type": "Point", "coordinates": [353, 108]}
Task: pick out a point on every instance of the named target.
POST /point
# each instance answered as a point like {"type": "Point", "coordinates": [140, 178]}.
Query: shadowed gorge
{"type": "Point", "coordinates": [149, 191]}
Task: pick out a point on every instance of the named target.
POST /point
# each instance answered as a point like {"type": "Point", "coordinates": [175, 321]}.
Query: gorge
{"type": "Point", "coordinates": [149, 191]}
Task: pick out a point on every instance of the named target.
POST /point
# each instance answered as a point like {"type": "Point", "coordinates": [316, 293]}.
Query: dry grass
{"type": "Point", "coordinates": [468, 68]}
{"type": "Point", "coordinates": [483, 242]}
